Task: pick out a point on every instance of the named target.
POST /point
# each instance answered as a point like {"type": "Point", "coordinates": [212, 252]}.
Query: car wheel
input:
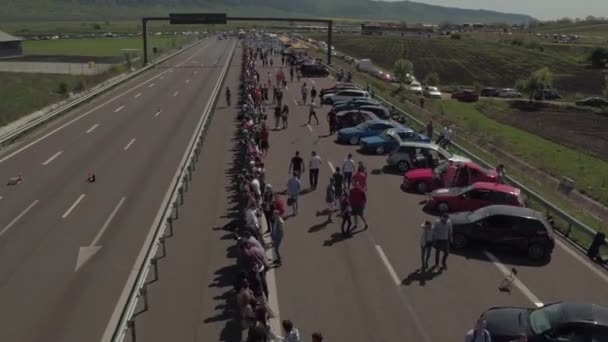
{"type": "Point", "coordinates": [537, 251]}
{"type": "Point", "coordinates": [403, 166]}
{"type": "Point", "coordinates": [459, 241]}
{"type": "Point", "coordinates": [354, 141]}
{"type": "Point", "coordinates": [380, 150]}
{"type": "Point", "coordinates": [422, 187]}
{"type": "Point", "coordinates": [443, 207]}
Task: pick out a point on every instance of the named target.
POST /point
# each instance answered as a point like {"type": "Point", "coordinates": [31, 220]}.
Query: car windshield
{"type": "Point", "coordinates": [545, 318]}
{"type": "Point", "coordinates": [477, 215]}
{"type": "Point", "coordinates": [444, 152]}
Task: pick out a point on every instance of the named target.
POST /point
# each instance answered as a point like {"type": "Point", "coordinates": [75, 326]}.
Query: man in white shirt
{"type": "Point", "coordinates": [257, 191]}
{"type": "Point", "coordinates": [313, 169]}
{"type": "Point", "coordinates": [442, 236]}
{"type": "Point", "coordinates": [348, 168]}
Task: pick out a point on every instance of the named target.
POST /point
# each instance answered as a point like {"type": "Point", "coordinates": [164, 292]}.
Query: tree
{"type": "Point", "coordinates": [598, 57]}
{"type": "Point", "coordinates": [62, 89]}
{"type": "Point", "coordinates": [431, 79]}
{"type": "Point", "coordinates": [606, 87]}
{"type": "Point", "coordinates": [402, 69]}
{"type": "Point", "coordinates": [540, 79]}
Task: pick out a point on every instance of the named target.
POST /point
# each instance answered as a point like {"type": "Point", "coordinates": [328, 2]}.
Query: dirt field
{"type": "Point", "coordinates": [579, 129]}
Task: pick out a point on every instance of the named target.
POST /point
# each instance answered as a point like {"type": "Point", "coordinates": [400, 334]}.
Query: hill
{"type": "Point", "coordinates": [20, 10]}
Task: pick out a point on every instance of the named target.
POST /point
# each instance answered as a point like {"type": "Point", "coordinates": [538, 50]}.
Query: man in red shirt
{"type": "Point", "coordinates": [360, 179]}
{"type": "Point", "coordinates": [357, 200]}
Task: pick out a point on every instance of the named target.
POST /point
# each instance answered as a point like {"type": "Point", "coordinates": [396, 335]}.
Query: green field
{"type": "Point", "coordinates": [599, 29]}
{"type": "Point", "coordinates": [467, 61]}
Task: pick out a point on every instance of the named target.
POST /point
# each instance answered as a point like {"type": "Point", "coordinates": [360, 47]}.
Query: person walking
{"type": "Point", "coordinates": [348, 168]}
{"type": "Point", "coordinates": [330, 199]}
{"type": "Point", "coordinates": [294, 187]}
{"type": "Point", "coordinates": [285, 116]}
{"type": "Point", "coordinates": [276, 235]}
{"type": "Point", "coordinates": [357, 201]}
{"type": "Point", "coordinates": [312, 113]}
{"type": "Point", "coordinates": [333, 121]}
{"type": "Point", "coordinates": [426, 244]}
{"type": "Point", "coordinates": [313, 93]}
{"type": "Point", "coordinates": [502, 174]}
{"type": "Point", "coordinates": [292, 334]}
{"type": "Point", "coordinates": [442, 235]}
{"type": "Point", "coordinates": [360, 178]}
{"type": "Point", "coordinates": [479, 333]}
{"type": "Point", "coordinates": [279, 97]}
{"type": "Point", "coordinates": [277, 117]}
{"type": "Point", "coordinates": [264, 141]}
{"type": "Point", "coordinates": [338, 182]}
{"type": "Point", "coordinates": [429, 129]}
{"type": "Point", "coordinates": [345, 213]}
{"type": "Point", "coordinates": [304, 92]}
{"type": "Point", "coordinates": [317, 337]}
{"type": "Point", "coordinates": [313, 169]}
{"type": "Point", "coordinates": [297, 165]}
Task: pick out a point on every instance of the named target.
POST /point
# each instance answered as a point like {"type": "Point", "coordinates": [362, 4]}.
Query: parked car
{"type": "Point", "coordinates": [355, 103]}
{"type": "Point", "coordinates": [490, 92]}
{"type": "Point", "coordinates": [504, 227]}
{"type": "Point", "coordinates": [593, 102]}
{"type": "Point", "coordinates": [546, 94]}
{"type": "Point", "coordinates": [353, 117]}
{"type": "Point", "coordinates": [509, 93]}
{"type": "Point", "coordinates": [446, 175]}
{"type": "Point", "coordinates": [380, 111]}
{"type": "Point", "coordinates": [473, 197]}
{"type": "Point", "coordinates": [465, 96]}
{"type": "Point", "coordinates": [337, 87]}
{"type": "Point", "coordinates": [412, 155]}
{"type": "Point", "coordinates": [370, 128]}
{"type": "Point", "coordinates": [563, 321]}
{"type": "Point", "coordinates": [344, 95]}
{"type": "Point", "coordinates": [432, 92]}
{"type": "Point", "coordinates": [416, 87]}
{"type": "Point", "coordinates": [391, 139]}
{"type": "Point", "coordinates": [313, 70]}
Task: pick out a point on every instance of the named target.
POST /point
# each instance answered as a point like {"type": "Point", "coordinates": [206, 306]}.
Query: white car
{"type": "Point", "coordinates": [344, 95]}
{"type": "Point", "coordinates": [432, 92]}
{"type": "Point", "coordinates": [509, 93]}
{"type": "Point", "coordinates": [411, 154]}
{"type": "Point", "coordinates": [416, 88]}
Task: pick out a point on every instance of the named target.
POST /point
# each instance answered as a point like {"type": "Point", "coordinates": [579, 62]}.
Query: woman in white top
{"type": "Point", "coordinates": [426, 243]}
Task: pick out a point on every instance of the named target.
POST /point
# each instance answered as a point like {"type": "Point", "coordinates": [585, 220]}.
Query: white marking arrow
{"type": "Point", "coordinates": [87, 252]}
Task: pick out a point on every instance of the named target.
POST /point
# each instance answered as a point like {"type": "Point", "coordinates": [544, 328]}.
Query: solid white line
{"type": "Point", "coordinates": [158, 112]}
{"type": "Point", "coordinates": [309, 127]}
{"type": "Point", "coordinates": [187, 81]}
{"type": "Point", "coordinates": [118, 109]}
{"type": "Point", "coordinates": [73, 206]}
{"type": "Point", "coordinates": [313, 81]}
{"type": "Point", "coordinates": [129, 144]}
{"type": "Point", "coordinates": [388, 265]}
{"type": "Point", "coordinates": [331, 166]}
{"type": "Point", "coordinates": [162, 77]}
{"type": "Point", "coordinates": [48, 161]}
{"type": "Point", "coordinates": [16, 219]}
{"type": "Point", "coordinates": [107, 223]}
{"type": "Point", "coordinates": [295, 102]}
{"type": "Point", "coordinates": [524, 290]}
{"type": "Point", "coordinates": [582, 260]}
{"type": "Point", "coordinates": [176, 93]}
{"type": "Point", "coordinates": [92, 128]}
{"type": "Point", "coordinates": [151, 85]}
{"type": "Point", "coordinates": [137, 95]}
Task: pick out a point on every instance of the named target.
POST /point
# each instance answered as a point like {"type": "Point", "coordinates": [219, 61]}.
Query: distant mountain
{"type": "Point", "coordinates": [407, 11]}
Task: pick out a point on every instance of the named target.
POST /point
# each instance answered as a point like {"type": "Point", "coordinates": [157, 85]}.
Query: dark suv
{"type": "Point", "coordinates": [515, 228]}
{"type": "Point", "coordinates": [313, 70]}
{"type": "Point", "coordinates": [490, 92]}
{"type": "Point", "coordinates": [546, 94]}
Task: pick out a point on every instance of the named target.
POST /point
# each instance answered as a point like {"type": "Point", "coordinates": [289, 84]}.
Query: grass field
{"type": "Point", "coordinates": [99, 46]}
{"type": "Point", "coordinates": [465, 62]}
{"type": "Point", "coordinates": [583, 29]}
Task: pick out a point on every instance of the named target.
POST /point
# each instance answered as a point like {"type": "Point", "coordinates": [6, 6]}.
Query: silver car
{"type": "Point", "coordinates": [411, 154]}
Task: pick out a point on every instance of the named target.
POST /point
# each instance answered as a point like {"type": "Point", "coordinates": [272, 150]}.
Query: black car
{"type": "Point", "coordinates": [546, 94]}
{"type": "Point", "coordinates": [352, 118]}
{"type": "Point", "coordinates": [593, 102]}
{"type": "Point", "coordinates": [314, 70]}
{"type": "Point", "coordinates": [355, 103]}
{"type": "Point", "coordinates": [490, 92]}
{"type": "Point", "coordinates": [380, 111]}
{"type": "Point", "coordinates": [503, 226]}
{"type": "Point", "coordinates": [564, 321]}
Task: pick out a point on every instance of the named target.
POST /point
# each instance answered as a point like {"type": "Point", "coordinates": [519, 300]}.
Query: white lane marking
{"type": "Point", "coordinates": [313, 81]}
{"type": "Point", "coordinates": [388, 265]}
{"type": "Point", "coordinates": [309, 127]}
{"type": "Point", "coordinates": [331, 166]}
{"type": "Point", "coordinates": [118, 109]}
{"type": "Point", "coordinates": [162, 77]}
{"type": "Point", "coordinates": [187, 81]}
{"type": "Point", "coordinates": [295, 102]}
{"type": "Point", "coordinates": [129, 144]}
{"type": "Point", "coordinates": [72, 206]}
{"type": "Point", "coordinates": [1, 198]}
{"type": "Point", "coordinates": [286, 87]}
{"type": "Point", "coordinates": [16, 219]}
{"type": "Point", "coordinates": [151, 85]}
{"type": "Point", "coordinates": [16, 152]}
{"type": "Point", "coordinates": [137, 95]}
{"type": "Point", "coordinates": [48, 161]}
{"type": "Point", "coordinates": [582, 260]}
{"type": "Point", "coordinates": [158, 112]}
{"type": "Point", "coordinates": [92, 128]}
{"type": "Point", "coordinates": [524, 290]}
{"type": "Point", "coordinates": [176, 93]}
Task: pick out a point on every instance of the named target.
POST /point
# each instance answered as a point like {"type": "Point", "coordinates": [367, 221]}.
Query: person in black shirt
{"type": "Point", "coordinates": [338, 182]}
{"type": "Point", "coordinates": [313, 93]}
{"type": "Point", "coordinates": [297, 164]}
{"type": "Point", "coordinates": [333, 121]}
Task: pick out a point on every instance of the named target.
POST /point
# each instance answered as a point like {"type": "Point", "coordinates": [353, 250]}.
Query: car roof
{"type": "Point", "coordinates": [510, 210]}
{"type": "Point", "coordinates": [373, 107]}
{"type": "Point", "coordinates": [583, 312]}
{"type": "Point", "coordinates": [419, 144]}
{"type": "Point", "coordinates": [495, 187]}
{"type": "Point", "coordinates": [401, 129]}
{"type": "Point", "coordinates": [355, 110]}
{"type": "Point", "coordinates": [376, 121]}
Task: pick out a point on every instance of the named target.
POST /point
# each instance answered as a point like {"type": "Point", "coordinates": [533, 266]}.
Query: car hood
{"type": "Point", "coordinates": [444, 192]}
{"type": "Point", "coordinates": [461, 159]}
{"type": "Point", "coordinates": [507, 322]}
{"type": "Point", "coordinates": [373, 140]}
{"type": "Point", "coordinates": [419, 174]}
{"type": "Point", "coordinates": [349, 131]}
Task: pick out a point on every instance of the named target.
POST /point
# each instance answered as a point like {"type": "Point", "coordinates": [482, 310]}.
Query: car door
{"type": "Point", "coordinates": [476, 175]}
{"type": "Point", "coordinates": [472, 200]}
{"type": "Point", "coordinates": [494, 230]}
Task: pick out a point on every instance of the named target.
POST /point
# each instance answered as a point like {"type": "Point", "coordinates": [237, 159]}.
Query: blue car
{"type": "Point", "coordinates": [390, 139]}
{"type": "Point", "coordinates": [353, 135]}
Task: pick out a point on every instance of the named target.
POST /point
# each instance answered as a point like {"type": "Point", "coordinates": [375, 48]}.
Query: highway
{"type": "Point", "coordinates": [67, 247]}
{"type": "Point", "coordinates": [365, 288]}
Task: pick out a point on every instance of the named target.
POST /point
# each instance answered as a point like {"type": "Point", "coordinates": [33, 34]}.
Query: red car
{"type": "Point", "coordinates": [476, 196]}
{"type": "Point", "coordinates": [465, 96]}
{"type": "Point", "coordinates": [447, 175]}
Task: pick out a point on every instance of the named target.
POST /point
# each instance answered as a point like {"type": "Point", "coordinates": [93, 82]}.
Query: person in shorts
{"type": "Point", "coordinates": [357, 201]}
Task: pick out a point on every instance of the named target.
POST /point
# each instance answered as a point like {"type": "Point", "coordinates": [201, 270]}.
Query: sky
{"type": "Point", "coordinates": [540, 9]}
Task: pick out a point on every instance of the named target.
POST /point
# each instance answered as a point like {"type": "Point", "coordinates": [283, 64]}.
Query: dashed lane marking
{"type": "Point", "coordinates": [129, 144]}
{"type": "Point", "coordinates": [48, 161]}
{"type": "Point", "coordinates": [158, 112]}
{"type": "Point", "coordinates": [331, 166]}
{"type": "Point", "coordinates": [176, 93]}
{"type": "Point", "coordinates": [137, 95]}
{"type": "Point", "coordinates": [151, 85]}
{"type": "Point", "coordinates": [582, 260]}
{"type": "Point", "coordinates": [187, 81]}
{"type": "Point", "coordinates": [73, 206]}
{"type": "Point", "coordinates": [309, 127]}
{"type": "Point", "coordinates": [118, 109]}
{"type": "Point", "coordinates": [92, 128]}
{"type": "Point", "coordinates": [16, 219]}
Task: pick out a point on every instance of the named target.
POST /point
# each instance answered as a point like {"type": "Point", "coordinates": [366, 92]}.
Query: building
{"type": "Point", "coordinates": [10, 46]}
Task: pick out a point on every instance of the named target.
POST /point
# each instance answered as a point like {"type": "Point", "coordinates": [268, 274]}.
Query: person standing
{"type": "Point", "coordinates": [360, 178]}
{"type": "Point", "coordinates": [313, 169]}
{"type": "Point", "coordinates": [285, 116]}
{"type": "Point", "coordinates": [279, 97]}
{"type": "Point", "coordinates": [304, 92]}
{"type": "Point", "coordinates": [442, 235]}
{"type": "Point", "coordinates": [357, 201]}
{"type": "Point", "coordinates": [312, 113]}
{"type": "Point", "coordinates": [291, 72]}
{"type": "Point", "coordinates": [333, 121]}
{"type": "Point", "coordinates": [426, 244]}
{"type": "Point", "coordinates": [330, 199]}
{"type": "Point", "coordinates": [293, 192]}
{"type": "Point", "coordinates": [276, 235]}
{"type": "Point", "coordinates": [348, 167]}
{"type": "Point", "coordinates": [277, 116]}
{"type": "Point", "coordinates": [501, 173]}
{"type": "Point", "coordinates": [313, 93]}
{"type": "Point", "coordinates": [479, 333]}
{"type": "Point", "coordinates": [228, 96]}
{"type": "Point", "coordinates": [429, 129]}
{"type": "Point", "coordinates": [345, 212]}
{"type": "Point", "coordinates": [338, 182]}
{"type": "Point", "coordinates": [297, 165]}
{"type": "Point", "coordinates": [317, 337]}
{"type": "Point", "coordinates": [264, 140]}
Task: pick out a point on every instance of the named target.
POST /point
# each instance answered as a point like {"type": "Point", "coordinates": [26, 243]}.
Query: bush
{"type": "Point", "coordinates": [598, 57]}
{"type": "Point", "coordinates": [456, 36]}
{"type": "Point", "coordinates": [432, 79]}
{"type": "Point", "coordinates": [62, 88]}
{"type": "Point", "coordinates": [517, 42]}
{"type": "Point", "coordinates": [79, 87]}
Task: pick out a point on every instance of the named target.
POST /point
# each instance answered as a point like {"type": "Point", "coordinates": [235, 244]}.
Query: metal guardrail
{"type": "Point", "coordinates": [8, 137]}
{"type": "Point", "coordinates": [550, 208]}
{"type": "Point", "coordinates": [170, 207]}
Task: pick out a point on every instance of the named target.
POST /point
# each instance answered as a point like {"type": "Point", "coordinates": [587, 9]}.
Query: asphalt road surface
{"type": "Point", "coordinates": [133, 139]}
{"type": "Point", "coordinates": [365, 288]}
